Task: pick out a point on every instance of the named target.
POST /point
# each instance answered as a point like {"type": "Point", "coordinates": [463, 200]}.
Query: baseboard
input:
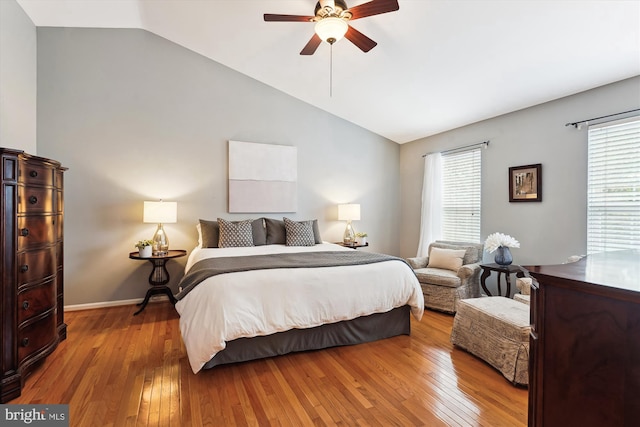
{"type": "Point", "coordinates": [106, 304]}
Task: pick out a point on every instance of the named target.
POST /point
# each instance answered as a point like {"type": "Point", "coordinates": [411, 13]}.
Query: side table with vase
{"type": "Point", "coordinates": [506, 270]}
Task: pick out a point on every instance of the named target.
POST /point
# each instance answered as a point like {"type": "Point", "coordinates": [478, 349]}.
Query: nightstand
{"type": "Point", "coordinates": [159, 276]}
{"type": "Point", "coordinates": [352, 246]}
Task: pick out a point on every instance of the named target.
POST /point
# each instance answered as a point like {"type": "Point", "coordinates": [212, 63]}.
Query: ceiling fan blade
{"type": "Point", "coordinates": [270, 17]}
{"type": "Point", "coordinates": [311, 47]}
{"type": "Point", "coordinates": [356, 37]}
{"type": "Point", "coordinates": [374, 7]}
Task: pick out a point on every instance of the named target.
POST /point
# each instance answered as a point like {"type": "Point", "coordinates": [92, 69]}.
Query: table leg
{"type": "Point", "coordinates": [498, 282]}
{"type": "Point", "coordinates": [155, 291]}
{"type": "Point", "coordinates": [483, 279]}
{"type": "Point", "coordinates": [158, 278]}
{"type": "Point", "coordinates": [508, 275]}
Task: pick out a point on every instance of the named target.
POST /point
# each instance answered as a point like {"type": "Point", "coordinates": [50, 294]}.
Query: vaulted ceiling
{"type": "Point", "coordinates": [438, 65]}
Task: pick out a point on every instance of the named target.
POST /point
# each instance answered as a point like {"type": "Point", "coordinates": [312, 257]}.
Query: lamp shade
{"type": "Point", "coordinates": [349, 212]}
{"type": "Point", "coordinates": [331, 29]}
{"type": "Point", "coordinates": [160, 212]}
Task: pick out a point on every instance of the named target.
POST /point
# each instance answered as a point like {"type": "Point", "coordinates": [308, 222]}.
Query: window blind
{"type": "Point", "coordinates": [461, 179]}
{"type": "Point", "coordinates": [613, 194]}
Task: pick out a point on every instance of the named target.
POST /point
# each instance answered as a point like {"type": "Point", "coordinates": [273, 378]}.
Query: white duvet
{"type": "Point", "coordinates": [262, 302]}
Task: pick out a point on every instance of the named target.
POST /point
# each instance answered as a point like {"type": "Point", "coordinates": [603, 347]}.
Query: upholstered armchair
{"type": "Point", "coordinates": [524, 286]}
{"type": "Point", "coordinates": [450, 273]}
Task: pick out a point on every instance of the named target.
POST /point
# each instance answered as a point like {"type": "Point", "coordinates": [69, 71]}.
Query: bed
{"type": "Point", "coordinates": [249, 302]}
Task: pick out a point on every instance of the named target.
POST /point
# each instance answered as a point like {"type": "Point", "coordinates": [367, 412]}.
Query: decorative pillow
{"type": "Point", "coordinates": [447, 259]}
{"type": "Point", "coordinates": [259, 232]}
{"type": "Point", "coordinates": [276, 232]}
{"type": "Point", "coordinates": [316, 231]}
{"type": "Point", "coordinates": [209, 233]}
{"type": "Point", "coordinates": [299, 233]}
{"type": "Point", "coordinates": [235, 233]}
{"type": "Point", "coordinates": [473, 252]}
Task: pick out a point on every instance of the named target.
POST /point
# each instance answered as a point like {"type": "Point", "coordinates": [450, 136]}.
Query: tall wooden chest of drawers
{"type": "Point", "coordinates": [584, 360]}
{"type": "Point", "coordinates": [31, 229]}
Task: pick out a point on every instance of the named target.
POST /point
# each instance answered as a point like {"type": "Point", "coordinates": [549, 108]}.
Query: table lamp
{"type": "Point", "coordinates": [160, 213]}
{"type": "Point", "coordinates": [349, 212]}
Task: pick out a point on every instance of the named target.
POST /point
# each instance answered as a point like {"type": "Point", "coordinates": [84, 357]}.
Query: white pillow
{"type": "Point", "coordinates": [448, 259]}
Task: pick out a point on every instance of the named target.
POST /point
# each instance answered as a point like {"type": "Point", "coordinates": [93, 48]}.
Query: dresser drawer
{"type": "Point", "coordinates": [36, 300]}
{"type": "Point", "coordinates": [34, 231]}
{"type": "Point", "coordinates": [36, 173]}
{"type": "Point", "coordinates": [35, 199]}
{"type": "Point", "coordinates": [37, 335]}
{"type": "Point", "coordinates": [36, 265]}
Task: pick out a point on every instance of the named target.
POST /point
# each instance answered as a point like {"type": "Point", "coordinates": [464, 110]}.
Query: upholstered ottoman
{"type": "Point", "coordinates": [495, 329]}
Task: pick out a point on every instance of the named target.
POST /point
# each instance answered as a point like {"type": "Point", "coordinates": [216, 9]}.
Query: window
{"type": "Point", "coordinates": [461, 180]}
{"type": "Point", "coordinates": [613, 194]}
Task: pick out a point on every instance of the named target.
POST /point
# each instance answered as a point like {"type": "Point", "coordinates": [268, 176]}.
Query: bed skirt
{"type": "Point", "coordinates": [362, 329]}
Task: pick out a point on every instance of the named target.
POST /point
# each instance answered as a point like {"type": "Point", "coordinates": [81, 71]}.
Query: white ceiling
{"type": "Point", "coordinates": [439, 64]}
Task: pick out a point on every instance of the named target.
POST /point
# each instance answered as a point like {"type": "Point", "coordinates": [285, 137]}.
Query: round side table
{"type": "Point", "coordinates": [505, 270]}
{"type": "Point", "coordinates": [159, 276]}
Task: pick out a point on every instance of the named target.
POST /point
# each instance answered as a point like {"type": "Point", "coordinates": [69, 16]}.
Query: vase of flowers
{"type": "Point", "coordinates": [500, 244]}
{"type": "Point", "coordinates": [144, 248]}
{"type": "Point", "coordinates": [503, 256]}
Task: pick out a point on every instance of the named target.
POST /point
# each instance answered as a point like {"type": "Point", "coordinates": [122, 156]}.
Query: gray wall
{"type": "Point", "coordinates": [135, 117]}
{"type": "Point", "coordinates": [549, 231]}
{"type": "Point", "coordinates": [115, 106]}
{"type": "Point", "coordinates": [18, 55]}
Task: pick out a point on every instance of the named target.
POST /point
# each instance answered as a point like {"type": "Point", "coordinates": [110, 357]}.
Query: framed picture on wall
{"type": "Point", "coordinates": [525, 183]}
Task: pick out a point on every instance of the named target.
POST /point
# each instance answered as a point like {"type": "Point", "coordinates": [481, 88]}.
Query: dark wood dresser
{"type": "Point", "coordinates": [31, 221]}
{"type": "Point", "coordinates": [584, 363]}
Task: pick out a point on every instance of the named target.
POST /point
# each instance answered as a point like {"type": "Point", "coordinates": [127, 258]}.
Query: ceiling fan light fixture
{"type": "Point", "coordinates": [331, 29]}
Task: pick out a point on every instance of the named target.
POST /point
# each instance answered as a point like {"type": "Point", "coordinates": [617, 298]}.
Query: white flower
{"type": "Point", "coordinates": [495, 240]}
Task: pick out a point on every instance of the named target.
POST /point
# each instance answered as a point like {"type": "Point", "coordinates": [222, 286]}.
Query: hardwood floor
{"type": "Point", "coordinates": [115, 369]}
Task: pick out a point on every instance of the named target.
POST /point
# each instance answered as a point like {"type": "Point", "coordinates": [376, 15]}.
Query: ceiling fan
{"type": "Point", "coordinates": [331, 18]}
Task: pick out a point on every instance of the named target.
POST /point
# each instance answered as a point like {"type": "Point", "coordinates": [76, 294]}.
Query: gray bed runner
{"type": "Point", "coordinates": [213, 266]}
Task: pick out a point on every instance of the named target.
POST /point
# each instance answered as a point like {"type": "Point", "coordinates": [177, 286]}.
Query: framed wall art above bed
{"type": "Point", "coordinates": [262, 178]}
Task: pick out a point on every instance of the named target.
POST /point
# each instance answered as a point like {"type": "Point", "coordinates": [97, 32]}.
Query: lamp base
{"type": "Point", "coordinates": [349, 237]}
{"type": "Point", "coordinates": [160, 242]}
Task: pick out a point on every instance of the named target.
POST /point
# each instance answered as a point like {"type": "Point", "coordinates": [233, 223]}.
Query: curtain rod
{"type": "Point", "coordinates": [577, 124]}
{"type": "Point", "coordinates": [484, 143]}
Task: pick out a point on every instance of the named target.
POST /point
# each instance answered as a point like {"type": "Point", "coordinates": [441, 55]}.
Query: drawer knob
{"type": "Point", "coordinates": [25, 305]}
{"type": "Point", "coordinates": [33, 174]}
{"type": "Point", "coordinates": [25, 342]}
{"type": "Point", "coordinates": [33, 200]}
{"type": "Point", "coordinates": [24, 268]}
{"type": "Point", "coordinates": [24, 232]}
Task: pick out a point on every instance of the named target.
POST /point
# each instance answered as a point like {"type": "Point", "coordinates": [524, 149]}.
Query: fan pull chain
{"type": "Point", "coordinates": [331, 71]}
